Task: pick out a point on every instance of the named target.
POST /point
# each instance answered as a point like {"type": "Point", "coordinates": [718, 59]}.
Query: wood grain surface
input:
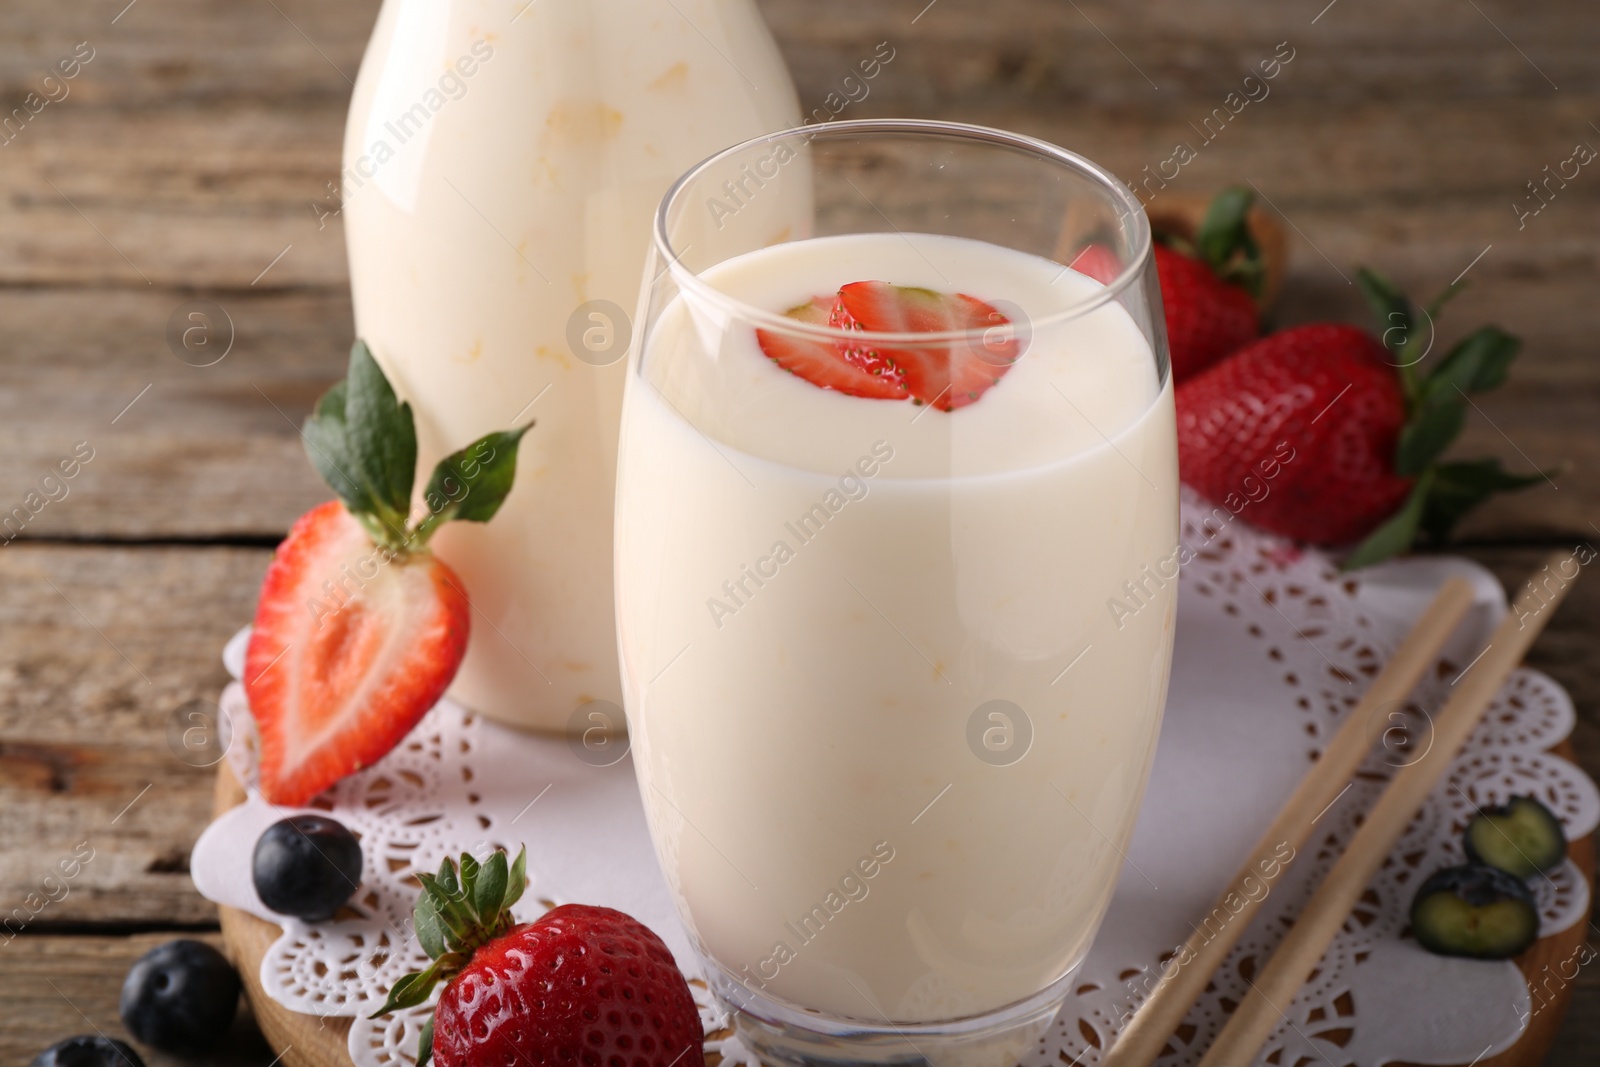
{"type": "Point", "coordinates": [183, 166]}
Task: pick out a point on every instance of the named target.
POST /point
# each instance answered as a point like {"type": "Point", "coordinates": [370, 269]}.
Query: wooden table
{"type": "Point", "coordinates": [184, 162]}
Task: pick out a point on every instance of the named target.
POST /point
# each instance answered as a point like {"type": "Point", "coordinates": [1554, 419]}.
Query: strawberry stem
{"type": "Point", "coordinates": [460, 910]}
{"type": "Point", "coordinates": [1396, 322]}
{"type": "Point", "coordinates": [1436, 409]}
{"type": "Point", "coordinates": [363, 441]}
{"type": "Point", "coordinates": [1447, 294]}
{"type": "Point", "coordinates": [1224, 240]}
{"type": "Point", "coordinates": [1397, 532]}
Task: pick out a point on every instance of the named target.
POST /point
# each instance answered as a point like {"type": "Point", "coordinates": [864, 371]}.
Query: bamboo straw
{"type": "Point", "coordinates": [1300, 951]}
{"type": "Point", "coordinates": [1183, 981]}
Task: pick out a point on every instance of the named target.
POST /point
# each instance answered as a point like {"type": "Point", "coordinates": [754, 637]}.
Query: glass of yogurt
{"type": "Point", "coordinates": [896, 559]}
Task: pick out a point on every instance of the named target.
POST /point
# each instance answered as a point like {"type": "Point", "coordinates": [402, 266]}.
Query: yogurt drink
{"type": "Point", "coordinates": [890, 731]}
{"type": "Point", "coordinates": [502, 160]}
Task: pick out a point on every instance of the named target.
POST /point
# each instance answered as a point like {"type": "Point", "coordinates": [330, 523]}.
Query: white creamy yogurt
{"type": "Point", "coordinates": [818, 595]}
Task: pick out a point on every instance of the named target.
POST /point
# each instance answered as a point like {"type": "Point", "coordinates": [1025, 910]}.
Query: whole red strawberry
{"type": "Point", "coordinates": [1209, 285]}
{"type": "Point", "coordinates": [1207, 318]}
{"type": "Point", "coordinates": [1319, 410]}
{"type": "Point", "coordinates": [581, 985]}
{"type": "Point", "coordinates": [336, 680]}
{"type": "Point", "coordinates": [359, 629]}
{"type": "Point", "coordinates": [1325, 434]}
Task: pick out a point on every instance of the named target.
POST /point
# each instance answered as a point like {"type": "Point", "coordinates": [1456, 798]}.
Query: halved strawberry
{"type": "Point", "coordinates": [336, 679]}
{"type": "Point", "coordinates": [826, 364]}
{"type": "Point", "coordinates": [359, 629]}
{"type": "Point", "coordinates": [946, 374]}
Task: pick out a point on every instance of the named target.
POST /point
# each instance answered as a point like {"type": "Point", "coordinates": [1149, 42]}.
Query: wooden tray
{"type": "Point", "coordinates": [312, 1042]}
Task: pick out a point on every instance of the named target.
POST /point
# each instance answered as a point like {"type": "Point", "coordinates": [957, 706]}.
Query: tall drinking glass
{"type": "Point", "coordinates": [897, 518]}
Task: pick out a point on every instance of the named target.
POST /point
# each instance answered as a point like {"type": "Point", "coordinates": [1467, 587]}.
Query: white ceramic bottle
{"type": "Point", "coordinates": [502, 161]}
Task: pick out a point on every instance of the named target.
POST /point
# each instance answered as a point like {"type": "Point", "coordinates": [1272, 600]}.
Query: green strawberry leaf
{"type": "Point", "coordinates": [491, 889]}
{"type": "Point", "coordinates": [399, 994]}
{"type": "Point", "coordinates": [425, 1044]}
{"type": "Point", "coordinates": [1396, 534]}
{"type": "Point", "coordinates": [1397, 320]}
{"type": "Point", "coordinates": [1449, 293]}
{"type": "Point", "coordinates": [517, 881]}
{"type": "Point", "coordinates": [380, 434]}
{"type": "Point", "coordinates": [1482, 361]}
{"type": "Point", "coordinates": [1460, 487]}
{"type": "Point", "coordinates": [458, 923]}
{"type": "Point", "coordinates": [1436, 405]}
{"type": "Point", "coordinates": [432, 888]}
{"type": "Point", "coordinates": [340, 453]}
{"type": "Point", "coordinates": [331, 404]}
{"type": "Point", "coordinates": [1429, 432]}
{"type": "Point", "coordinates": [447, 877]}
{"type": "Point", "coordinates": [1225, 242]}
{"type": "Point", "coordinates": [469, 877]}
{"type": "Point", "coordinates": [429, 927]}
{"type": "Point", "coordinates": [324, 439]}
{"type": "Point", "coordinates": [363, 442]}
{"type": "Point", "coordinates": [471, 484]}
{"type": "Point", "coordinates": [413, 990]}
{"type": "Point", "coordinates": [447, 928]}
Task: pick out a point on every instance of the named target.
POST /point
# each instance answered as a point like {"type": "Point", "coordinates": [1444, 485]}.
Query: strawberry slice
{"type": "Point", "coordinates": [359, 629]}
{"type": "Point", "coordinates": [946, 374]}
{"type": "Point", "coordinates": [868, 359]}
{"type": "Point", "coordinates": [827, 365]}
{"type": "Point", "coordinates": [335, 680]}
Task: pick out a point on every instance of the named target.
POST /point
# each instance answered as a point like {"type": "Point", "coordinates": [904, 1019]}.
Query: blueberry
{"type": "Point", "coordinates": [307, 866]}
{"type": "Point", "coordinates": [1521, 837]}
{"type": "Point", "coordinates": [1474, 911]}
{"type": "Point", "coordinates": [88, 1051]}
{"type": "Point", "coordinates": [180, 998]}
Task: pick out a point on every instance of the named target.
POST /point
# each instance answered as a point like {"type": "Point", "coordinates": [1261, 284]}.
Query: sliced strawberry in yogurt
{"type": "Point", "coordinates": [947, 374]}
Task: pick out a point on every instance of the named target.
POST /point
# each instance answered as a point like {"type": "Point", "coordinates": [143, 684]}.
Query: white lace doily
{"type": "Point", "coordinates": [1274, 646]}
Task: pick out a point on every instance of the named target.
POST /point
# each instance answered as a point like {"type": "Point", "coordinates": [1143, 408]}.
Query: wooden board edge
{"type": "Point", "coordinates": [1545, 958]}
{"type": "Point", "coordinates": [306, 1041]}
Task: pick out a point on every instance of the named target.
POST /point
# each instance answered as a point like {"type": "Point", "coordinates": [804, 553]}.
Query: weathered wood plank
{"type": "Point", "coordinates": [198, 51]}
{"type": "Point", "coordinates": [209, 197]}
{"type": "Point", "coordinates": [1055, 53]}
{"type": "Point", "coordinates": [187, 52]}
{"type": "Point", "coordinates": [57, 987]}
{"type": "Point", "coordinates": [206, 197]}
{"type": "Point", "coordinates": [202, 452]}
{"type": "Point", "coordinates": [225, 122]}
{"type": "Point", "coordinates": [102, 649]}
